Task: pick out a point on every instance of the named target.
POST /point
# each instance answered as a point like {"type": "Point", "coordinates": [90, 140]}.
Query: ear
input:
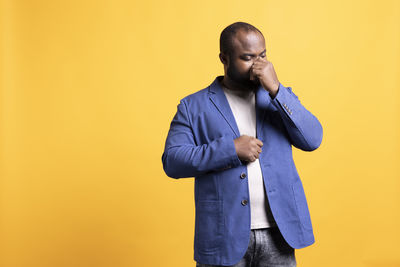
{"type": "Point", "coordinates": [223, 58]}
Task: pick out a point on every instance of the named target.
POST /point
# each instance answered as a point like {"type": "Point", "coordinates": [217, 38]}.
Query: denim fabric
{"type": "Point", "coordinates": [267, 248]}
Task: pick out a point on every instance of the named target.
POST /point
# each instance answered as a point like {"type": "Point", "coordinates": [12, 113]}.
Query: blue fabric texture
{"type": "Point", "coordinates": [200, 144]}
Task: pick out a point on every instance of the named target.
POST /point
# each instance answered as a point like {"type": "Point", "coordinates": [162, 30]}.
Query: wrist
{"type": "Point", "coordinates": [274, 93]}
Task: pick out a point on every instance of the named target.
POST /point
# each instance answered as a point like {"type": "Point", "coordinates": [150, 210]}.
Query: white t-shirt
{"type": "Point", "coordinates": [243, 109]}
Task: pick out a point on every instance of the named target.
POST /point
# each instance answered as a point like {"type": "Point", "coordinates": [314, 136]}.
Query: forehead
{"type": "Point", "coordinates": [248, 42]}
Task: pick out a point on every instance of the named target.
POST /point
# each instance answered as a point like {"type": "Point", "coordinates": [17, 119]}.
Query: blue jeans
{"type": "Point", "coordinates": [267, 248]}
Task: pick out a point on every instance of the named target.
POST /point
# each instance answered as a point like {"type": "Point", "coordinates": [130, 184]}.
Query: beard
{"type": "Point", "coordinates": [242, 80]}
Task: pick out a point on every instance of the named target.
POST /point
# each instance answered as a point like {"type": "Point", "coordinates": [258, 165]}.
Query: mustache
{"type": "Point", "coordinates": [243, 80]}
{"type": "Point", "coordinates": [247, 82]}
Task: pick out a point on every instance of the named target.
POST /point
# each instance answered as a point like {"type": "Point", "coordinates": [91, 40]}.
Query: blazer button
{"type": "Point", "coordinates": [244, 202]}
{"type": "Point", "coordinates": [243, 175]}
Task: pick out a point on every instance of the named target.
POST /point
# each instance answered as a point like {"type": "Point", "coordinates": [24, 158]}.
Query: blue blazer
{"type": "Point", "coordinates": [200, 144]}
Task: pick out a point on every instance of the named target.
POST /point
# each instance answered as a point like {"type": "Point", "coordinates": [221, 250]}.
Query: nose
{"type": "Point", "coordinates": [256, 59]}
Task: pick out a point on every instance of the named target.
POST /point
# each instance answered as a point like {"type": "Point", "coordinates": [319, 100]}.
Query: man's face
{"type": "Point", "coordinates": [247, 46]}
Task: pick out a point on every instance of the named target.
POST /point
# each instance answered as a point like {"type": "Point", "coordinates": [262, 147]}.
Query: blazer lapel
{"type": "Point", "coordinates": [217, 96]}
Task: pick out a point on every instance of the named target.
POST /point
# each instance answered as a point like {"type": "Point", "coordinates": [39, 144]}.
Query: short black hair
{"type": "Point", "coordinates": [225, 40]}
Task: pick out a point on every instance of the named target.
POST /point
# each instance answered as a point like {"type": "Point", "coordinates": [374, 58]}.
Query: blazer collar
{"type": "Point", "coordinates": [217, 96]}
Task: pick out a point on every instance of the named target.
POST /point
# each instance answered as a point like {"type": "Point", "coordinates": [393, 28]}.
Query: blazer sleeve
{"type": "Point", "coordinates": [182, 157]}
{"type": "Point", "coordinates": [303, 127]}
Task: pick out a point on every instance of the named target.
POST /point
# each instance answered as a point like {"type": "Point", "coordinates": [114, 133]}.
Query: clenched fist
{"type": "Point", "coordinates": [264, 71]}
{"type": "Point", "coordinates": [248, 148]}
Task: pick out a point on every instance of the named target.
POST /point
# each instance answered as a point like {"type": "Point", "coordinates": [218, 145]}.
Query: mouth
{"type": "Point", "coordinates": [255, 81]}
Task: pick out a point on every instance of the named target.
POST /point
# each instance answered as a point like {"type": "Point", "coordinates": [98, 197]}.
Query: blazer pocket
{"type": "Point", "coordinates": [208, 225]}
{"type": "Point", "coordinates": [301, 204]}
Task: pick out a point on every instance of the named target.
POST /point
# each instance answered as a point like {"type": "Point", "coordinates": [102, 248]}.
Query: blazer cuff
{"type": "Point", "coordinates": [284, 100]}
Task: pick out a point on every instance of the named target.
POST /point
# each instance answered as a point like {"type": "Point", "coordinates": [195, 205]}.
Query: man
{"type": "Point", "coordinates": [235, 137]}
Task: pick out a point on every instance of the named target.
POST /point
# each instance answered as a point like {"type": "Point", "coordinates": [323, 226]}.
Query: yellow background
{"type": "Point", "coordinates": [88, 91]}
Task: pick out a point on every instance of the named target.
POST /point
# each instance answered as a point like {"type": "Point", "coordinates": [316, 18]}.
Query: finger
{"type": "Point", "coordinates": [258, 70]}
{"type": "Point", "coordinates": [259, 142]}
{"type": "Point", "coordinates": [257, 150]}
{"type": "Point", "coordinates": [258, 66]}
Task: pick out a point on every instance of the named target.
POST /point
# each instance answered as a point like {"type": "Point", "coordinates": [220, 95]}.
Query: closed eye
{"type": "Point", "coordinates": [247, 58]}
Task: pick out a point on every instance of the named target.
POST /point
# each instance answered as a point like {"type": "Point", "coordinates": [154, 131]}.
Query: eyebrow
{"type": "Point", "coordinates": [247, 54]}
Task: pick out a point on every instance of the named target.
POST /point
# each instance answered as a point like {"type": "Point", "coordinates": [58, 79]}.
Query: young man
{"type": "Point", "coordinates": [235, 137]}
